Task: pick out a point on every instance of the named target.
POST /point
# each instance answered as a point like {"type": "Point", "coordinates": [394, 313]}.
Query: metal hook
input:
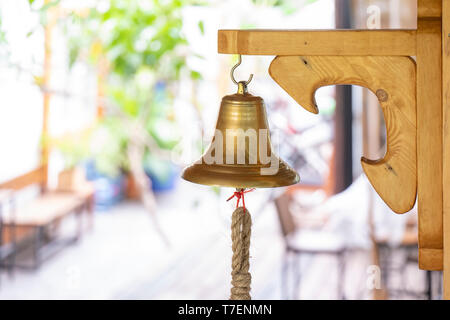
{"type": "Point", "coordinates": [234, 68]}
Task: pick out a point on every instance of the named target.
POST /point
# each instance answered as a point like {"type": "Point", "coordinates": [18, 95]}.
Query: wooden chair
{"type": "Point", "coordinates": [389, 269]}
{"type": "Point", "coordinates": [32, 225]}
{"type": "Point", "coordinates": [306, 242]}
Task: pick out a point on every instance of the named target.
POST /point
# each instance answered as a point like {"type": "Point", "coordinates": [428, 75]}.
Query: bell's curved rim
{"type": "Point", "coordinates": [239, 176]}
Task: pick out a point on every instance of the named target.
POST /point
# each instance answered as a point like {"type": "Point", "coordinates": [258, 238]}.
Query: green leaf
{"type": "Point", "coordinates": [201, 26]}
{"type": "Point", "coordinates": [195, 75]}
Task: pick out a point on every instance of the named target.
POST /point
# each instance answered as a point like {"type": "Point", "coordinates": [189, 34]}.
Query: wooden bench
{"type": "Point", "coordinates": [33, 226]}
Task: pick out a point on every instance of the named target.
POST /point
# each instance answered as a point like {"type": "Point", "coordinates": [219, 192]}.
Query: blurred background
{"type": "Point", "coordinates": [104, 103]}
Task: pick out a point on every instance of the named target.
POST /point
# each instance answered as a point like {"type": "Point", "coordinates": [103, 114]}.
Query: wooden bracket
{"type": "Point", "coordinates": [394, 42]}
{"type": "Point", "coordinates": [374, 59]}
{"type": "Point", "coordinates": [392, 79]}
{"type": "Point", "coordinates": [380, 60]}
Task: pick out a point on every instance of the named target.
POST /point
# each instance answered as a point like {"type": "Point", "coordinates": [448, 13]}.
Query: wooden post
{"type": "Point", "coordinates": [48, 30]}
{"type": "Point", "coordinates": [446, 142]}
{"type": "Point", "coordinates": [429, 139]}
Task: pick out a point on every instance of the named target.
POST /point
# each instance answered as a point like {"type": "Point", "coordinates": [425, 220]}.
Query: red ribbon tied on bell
{"type": "Point", "coordinates": [239, 194]}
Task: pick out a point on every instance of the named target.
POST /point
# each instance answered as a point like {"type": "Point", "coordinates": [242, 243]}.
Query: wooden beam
{"type": "Point", "coordinates": [318, 42]}
{"type": "Point", "coordinates": [429, 142]}
{"type": "Point", "coordinates": [429, 8]}
{"type": "Point", "coordinates": [35, 176]}
{"type": "Point", "coordinates": [446, 142]}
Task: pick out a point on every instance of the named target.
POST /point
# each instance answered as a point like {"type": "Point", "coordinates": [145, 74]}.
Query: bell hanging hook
{"type": "Point", "coordinates": [234, 68]}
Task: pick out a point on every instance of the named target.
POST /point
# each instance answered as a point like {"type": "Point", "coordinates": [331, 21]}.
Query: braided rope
{"type": "Point", "coordinates": [241, 223]}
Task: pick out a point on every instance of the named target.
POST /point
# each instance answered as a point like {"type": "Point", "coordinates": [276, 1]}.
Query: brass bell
{"type": "Point", "coordinates": [240, 154]}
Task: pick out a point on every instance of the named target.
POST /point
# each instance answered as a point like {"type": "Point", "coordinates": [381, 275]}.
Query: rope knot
{"type": "Point", "coordinates": [239, 193]}
{"type": "Point", "coordinates": [241, 286]}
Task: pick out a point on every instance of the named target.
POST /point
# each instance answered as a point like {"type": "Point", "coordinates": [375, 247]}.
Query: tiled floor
{"type": "Point", "coordinates": [123, 258]}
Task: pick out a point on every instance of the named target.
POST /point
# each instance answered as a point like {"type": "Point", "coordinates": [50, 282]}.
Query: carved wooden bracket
{"type": "Point", "coordinates": [393, 80]}
{"type": "Point", "coordinates": [413, 96]}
